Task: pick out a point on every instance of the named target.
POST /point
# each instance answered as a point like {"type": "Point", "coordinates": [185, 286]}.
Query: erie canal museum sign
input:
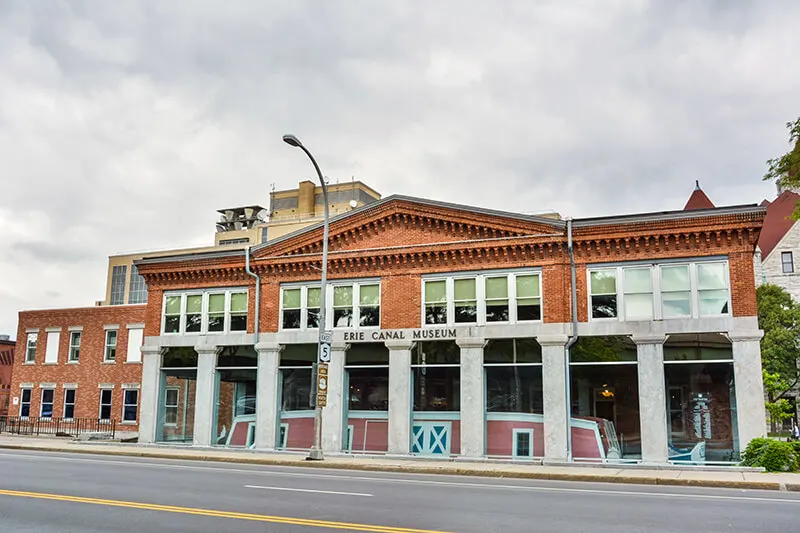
{"type": "Point", "coordinates": [418, 334]}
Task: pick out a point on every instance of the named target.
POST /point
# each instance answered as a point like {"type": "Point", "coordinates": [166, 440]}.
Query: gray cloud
{"type": "Point", "coordinates": [124, 128]}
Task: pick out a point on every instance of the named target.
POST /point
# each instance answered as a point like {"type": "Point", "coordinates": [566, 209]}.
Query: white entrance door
{"type": "Point", "coordinates": [431, 438]}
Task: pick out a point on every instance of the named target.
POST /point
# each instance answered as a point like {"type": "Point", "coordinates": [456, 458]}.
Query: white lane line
{"type": "Point", "coordinates": [310, 490]}
{"type": "Point", "coordinates": [608, 492]}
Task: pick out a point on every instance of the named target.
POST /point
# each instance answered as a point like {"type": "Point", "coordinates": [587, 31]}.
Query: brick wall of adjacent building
{"type": "Point", "coordinates": [6, 369]}
{"type": "Point", "coordinates": [90, 371]}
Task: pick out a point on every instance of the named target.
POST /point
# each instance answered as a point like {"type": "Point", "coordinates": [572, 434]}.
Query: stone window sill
{"type": "Point", "coordinates": [132, 363]}
{"type": "Point", "coordinates": [109, 362]}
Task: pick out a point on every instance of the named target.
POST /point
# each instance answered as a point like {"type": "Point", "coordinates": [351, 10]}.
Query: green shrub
{"type": "Point", "coordinates": [772, 455]}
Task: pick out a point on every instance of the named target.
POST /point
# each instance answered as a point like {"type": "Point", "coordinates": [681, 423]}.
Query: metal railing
{"type": "Point", "coordinates": [62, 427]}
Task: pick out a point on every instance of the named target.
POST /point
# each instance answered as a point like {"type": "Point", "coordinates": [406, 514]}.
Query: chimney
{"type": "Point", "coordinates": [305, 198]}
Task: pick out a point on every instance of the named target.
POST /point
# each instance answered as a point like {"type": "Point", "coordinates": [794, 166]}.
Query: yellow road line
{"type": "Point", "coordinates": [217, 514]}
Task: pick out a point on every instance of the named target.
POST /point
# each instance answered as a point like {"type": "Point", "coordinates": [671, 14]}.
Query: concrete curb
{"type": "Point", "coordinates": [427, 469]}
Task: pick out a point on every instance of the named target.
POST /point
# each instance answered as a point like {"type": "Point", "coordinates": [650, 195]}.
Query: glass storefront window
{"type": "Point", "coordinates": [437, 376]}
{"type": "Point", "coordinates": [235, 401]}
{"type": "Point", "coordinates": [605, 399]}
{"type": "Point", "coordinates": [296, 369]}
{"type": "Point", "coordinates": [701, 399]}
{"type": "Point", "coordinates": [177, 395]}
{"type": "Point", "coordinates": [514, 398]}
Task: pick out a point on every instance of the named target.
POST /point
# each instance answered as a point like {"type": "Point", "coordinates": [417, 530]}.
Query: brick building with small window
{"type": "Point", "coordinates": [7, 347]}
{"type": "Point", "coordinates": [80, 363]}
{"type": "Point", "coordinates": [456, 331]}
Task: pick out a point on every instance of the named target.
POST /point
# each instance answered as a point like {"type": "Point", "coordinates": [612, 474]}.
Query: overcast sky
{"type": "Point", "coordinates": [124, 125]}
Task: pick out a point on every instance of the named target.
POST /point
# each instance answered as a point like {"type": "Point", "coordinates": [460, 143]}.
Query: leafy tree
{"type": "Point", "coordinates": [786, 168]}
{"type": "Point", "coordinates": [779, 317]}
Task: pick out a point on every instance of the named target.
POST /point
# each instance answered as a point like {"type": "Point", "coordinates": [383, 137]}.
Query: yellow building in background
{"type": "Point", "coordinates": [239, 227]}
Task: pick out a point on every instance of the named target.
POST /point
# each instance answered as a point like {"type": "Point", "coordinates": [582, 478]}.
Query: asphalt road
{"type": "Point", "coordinates": [65, 493]}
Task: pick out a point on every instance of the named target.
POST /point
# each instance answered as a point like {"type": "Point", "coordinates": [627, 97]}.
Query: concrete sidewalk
{"type": "Point", "coordinates": [698, 477]}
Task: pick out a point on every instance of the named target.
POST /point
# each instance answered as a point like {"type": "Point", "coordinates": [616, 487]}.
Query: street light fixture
{"type": "Point", "coordinates": [315, 454]}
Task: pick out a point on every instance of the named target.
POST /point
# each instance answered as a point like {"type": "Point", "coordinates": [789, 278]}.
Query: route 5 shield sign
{"type": "Point", "coordinates": [324, 353]}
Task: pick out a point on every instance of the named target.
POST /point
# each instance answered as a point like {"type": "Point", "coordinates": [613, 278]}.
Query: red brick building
{"type": "Point", "coordinates": [452, 335]}
{"type": "Point", "coordinates": [80, 363]}
{"type": "Point", "coordinates": [6, 368]}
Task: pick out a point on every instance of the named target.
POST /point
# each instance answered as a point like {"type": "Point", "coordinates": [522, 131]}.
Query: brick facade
{"type": "Point", "coordinates": [399, 243]}
{"type": "Point", "coordinates": [6, 369]}
{"type": "Point", "coordinates": [90, 371]}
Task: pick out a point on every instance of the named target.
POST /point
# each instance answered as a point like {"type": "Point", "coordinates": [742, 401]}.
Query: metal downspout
{"type": "Point", "coordinates": [572, 339]}
{"type": "Point", "coordinates": [258, 292]}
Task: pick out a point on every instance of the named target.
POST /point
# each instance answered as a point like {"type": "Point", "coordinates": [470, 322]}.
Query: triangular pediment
{"type": "Point", "coordinates": [403, 222]}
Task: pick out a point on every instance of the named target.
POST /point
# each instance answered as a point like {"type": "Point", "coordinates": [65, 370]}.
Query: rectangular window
{"type": "Point", "coordinates": [171, 407]}
{"type": "Point", "coordinates": [134, 352]}
{"type": "Point", "coordinates": [216, 313]}
{"type": "Point", "coordinates": [30, 348]}
{"type": "Point", "coordinates": [105, 404]}
{"type": "Point", "coordinates": [369, 310]}
{"type": "Point", "coordinates": [46, 407]}
{"type": "Point", "coordinates": [681, 291]}
{"type": "Point", "coordinates": [496, 291]}
{"type": "Point", "coordinates": [523, 443]}
{"type": "Point", "coordinates": [119, 275]}
{"type": "Point", "coordinates": [172, 314]}
{"type": "Point", "coordinates": [712, 288]}
{"type": "Point", "coordinates": [638, 289]}
{"type": "Point", "coordinates": [312, 307]}
{"type": "Point", "coordinates": [51, 350]}
{"type": "Point", "coordinates": [110, 353]}
{"type": "Point", "coordinates": [130, 404]}
{"type": "Point", "coordinates": [352, 305]}
{"type": "Point", "coordinates": [194, 312]}
{"type": "Point", "coordinates": [343, 306]}
{"type": "Point", "coordinates": [138, 288]}
{"type": "Point", "coordinates": [74, 346]}
{"type": "Point", "coordinates": [436, 302]}
{"type": "Point", "coordinates": [466, 301]}
{"type": "Point", "coordinates": [603, 285]}
{"type": "Point", "coordinates": [676, 291]}
{"type": "Point", "coordinates": [238, 311]}
{"type": "Point", "coordinates": [787, 262]}
{"type": "Point", "coordinates": [69, 403]}
{"type": "Point", "coordinates": [25, 403]}
{"type": "Point", "coordinates": [291, 309]}
{"type": "Point", "coordinates": [529, 299]}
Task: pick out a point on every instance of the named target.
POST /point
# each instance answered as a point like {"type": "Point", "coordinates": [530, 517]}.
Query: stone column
{"type": "Point", "coordinates": [204, 394]}
{"type": "Point", "coordinates": [333, 412]}
{"type": "Point", "coordinates": [750, 412]}
{"type": "Point", "coordinates": [400, 401]}
{"type": "Point", "coordinates": [652, 398]}
{"type": "Point", "coordinates": [269, 354]}
{"type": "Point", "coordinates": [555, 397]}
{"type": "Point", "coordinates": [150, 393]}
{"type": "Point", "coordinates": [473, 403]}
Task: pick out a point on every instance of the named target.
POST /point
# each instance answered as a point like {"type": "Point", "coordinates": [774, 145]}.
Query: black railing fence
{"type": "Point", "coordinates": [66, 427]}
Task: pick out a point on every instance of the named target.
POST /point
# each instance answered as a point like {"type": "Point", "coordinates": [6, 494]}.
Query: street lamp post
{"type": "Point", "coordinates": [315, 454]}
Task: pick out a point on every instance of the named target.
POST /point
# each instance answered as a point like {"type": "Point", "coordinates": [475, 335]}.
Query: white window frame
{"type": "Point", "coordinates": [30, 351]}
{"type": "Point", "coordinates": [205, 294]}
{"type": "Point", "coordinates": [480, 294]}
{"type": "Point", "coordinates": [168, 406]}
{"type": "Point", "coordinates": [655, 269]}
{"type": "Point", "coordinates": [107, 346]}
{"type": "Point", "coordinates": [124, 404]}
{"type": "Point", "coordinates": [74, 347]}
{"type": "Point", "coordinates": [285, 439]}
{"type": "Point", "coordinates": [52, 403]}
{"type": "Point", "coordinates": [514, 443]}
{"type": "Point", "coordinates": [66, 403]}
{"type": "Point", "coordinates": [783, 263]}
{"type": "Point", "coordinates": [110, 404]}
{"type": "Point", "coordinates": [356, 304]}
{"type": "Point", "coordinates": [22, 402]}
